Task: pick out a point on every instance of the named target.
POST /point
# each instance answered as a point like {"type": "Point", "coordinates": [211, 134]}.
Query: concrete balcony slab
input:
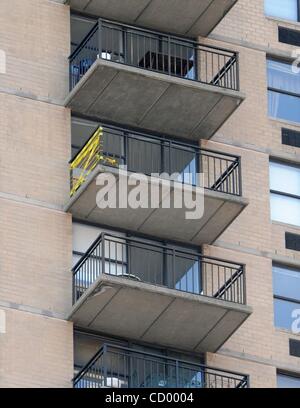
{"type": "Point", "coordinates": [219, 211]}
{"type": "Point", "coordinates": [152, 101]}
{"type": "Point", "coordinates": [194, 18]}
{"type": "Point", "coordinates": [157, 315]}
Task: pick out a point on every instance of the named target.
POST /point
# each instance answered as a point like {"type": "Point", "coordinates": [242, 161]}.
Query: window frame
{"type": "Point", "coordinates": [282, 193]}
{"type": "Point", "coordinates": [281, 91]}
{"type": "Point", "coordinates": [283, 298]}
{"type": "Point", "coordinates": [294, 21]}
{"type": "Point", "coordinates": [287, 374]}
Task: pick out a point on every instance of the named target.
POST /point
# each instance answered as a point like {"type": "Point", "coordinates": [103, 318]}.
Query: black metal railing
{"type": "Point", "coordinates": [120, 367]}
{"type": "Point", "coordinates": [149, 155]}
{"type": "Point", "coordinates": [160, 265]}
{"type": "Point", "coordinates": [154, 51]}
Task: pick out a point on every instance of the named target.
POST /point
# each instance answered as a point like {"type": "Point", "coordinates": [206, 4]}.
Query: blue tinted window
{"type": "Point", "coordinates": [285, 193]}
{"type": "Point", "coordinates": [284, 91]}
{"type": "Point", "coordinates": [286, 289]}
{"type": "Point", "coordinates": [286, 9]}
{"type": "Point", "coordinates": [283, 313]}
{"type": "Point", "coordinates": [282, 76]}
{"type": "Point", "coordinates": [286, 282]}
{"type": "Point", "coordinates": [287, 381]}
{"type": "Point", "coordinates": [285, 209]}
{"type": "Point", "coordinates": [285, 178]}
{"type": "Point", "coordinates": [283, 106]}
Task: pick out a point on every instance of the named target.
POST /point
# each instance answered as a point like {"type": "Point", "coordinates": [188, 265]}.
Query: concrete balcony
{"type": "Point", "coordinates": [155, 82]}
{"type": "Point", "coordinates": [160, 294]}
{"type": "Point", "coordinates": [212, 179]}
{"type": "Point", "coordinates": [193, 18]}
{"type": "Point", "coordinates": [119, 367]}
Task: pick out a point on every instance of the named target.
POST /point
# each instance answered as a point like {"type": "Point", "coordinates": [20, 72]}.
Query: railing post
{"type": "Point", "coordinates": [100, 45]}
{"type": "Point", "coordinates": [73, 287]}
{"type": "Point", "coordinates": [200, 277]}
{"type": "Point", "coordinates": [237, 70]}
{"type": "Point", "coordinates": [173, 267]}
{"type": "Point", "coordinates": [177, 374]}
{"type": "Point", "coordinates": [105, 364]}
{"type": "Point", "coordinates": [130, 383]}
{"type": "Point", "coordinates": [71, 178]}
{"type": "Point", "coordinates": [169, 55]}
{"type": "Point", "coordinates": [198, 168]}
{"type": "Point", "coordinates": [248, 381]}
{"type": "Point", "coordinates": [244, 285]}
{"type": "Point", "coordinates": [240, 177]}
{"type": "Point", "coordinates": [103, 252]}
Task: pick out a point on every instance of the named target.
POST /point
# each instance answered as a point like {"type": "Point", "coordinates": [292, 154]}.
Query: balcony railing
{"type": "Point", "coordinates": [157, 52]}
{"type": "Point", "coordinates": [160, 265]}
{"type": "Point", "coordinates": [119, 367]}
{"type": "Point", "coordinates": [146, 154]}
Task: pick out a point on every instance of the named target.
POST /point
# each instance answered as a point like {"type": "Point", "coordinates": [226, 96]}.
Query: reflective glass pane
{"type": "Point", "coordinates": [80, 27]}
{"type": "Point", "coordinates": [285, 107]}
{"type": "Point", "coordinates": [286, 9]}
{"type": "Point", "coordinates": [285, 381]}
{"type": "Point", "coordinates": [283, 313]}
{"type": "Point", "coordinates": [281, 76]}
{"type": "Point", "coordinates": [82, 130]}
{"type": "Point", "coordinates": [286, 282]}
{"type": "Point", "coordinates": [285, 178]}
{"type": "Point", "coordinates": [285, 209]}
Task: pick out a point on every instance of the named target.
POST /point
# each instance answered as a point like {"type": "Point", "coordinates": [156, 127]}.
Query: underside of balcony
{"type": "Point", "coordinates": [220, 210]}
{"type": "Point", "coordinates": [193, 18]}
{"type": "Point", "coordinates": [152, 101]}
{"type": "Point", "coordinates": [158, 315]}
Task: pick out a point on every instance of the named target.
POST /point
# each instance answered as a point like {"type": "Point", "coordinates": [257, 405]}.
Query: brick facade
{"type": "Point", "coordinates": [36, 234]}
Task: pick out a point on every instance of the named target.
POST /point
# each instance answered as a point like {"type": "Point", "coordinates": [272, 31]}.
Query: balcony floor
{"type": "Point", "coordinates": [198, 17]}
{"type": "Point", "coordinates": [220, 210]}
{"type": "Point", "coordinates": [152, 101]}
{"type": "Point", "coordinates": [157, 315]}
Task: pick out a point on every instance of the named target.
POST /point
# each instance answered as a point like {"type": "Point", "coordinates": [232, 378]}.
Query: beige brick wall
{"type": "Point", "coordinates": [261, 375]}
{"type": "Point", "coordinates": [278, 242]}
{"type": "Point", "coordinates": [252, 227]}
{"type": "Point", "coordinates": [35, 36]}
{"type": "Point", "coordinates": [257, 348]}
{"type": "Point", "coordinates": [35, 351]}
{"type": "Point", "coordinates": [247, 22]}
{"type": "Point", "coordinates": [257, 339]}
{"type": "Point", "coordinates": [35, 149]}
{"type": "Point", "coordinates": [35, 234]}
{"type": "Point", "coordinates": [35, 255]}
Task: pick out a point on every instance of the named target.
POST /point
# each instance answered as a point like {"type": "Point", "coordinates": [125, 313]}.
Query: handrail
{"type": "Point", "coordinates": [222, 171]}
{"type": "Point", "coordinates": [164, 53]}
{"type": "Point", "coordinates": [217, 261]}
{"type": "Point", "coordinates": [87, 159]}
{"type": "Point", "coordinates": [180, 269]}
{"type": "Point", "coordinates": [232, 377]}
{"type": "Point", "coordinates": [146, 30]}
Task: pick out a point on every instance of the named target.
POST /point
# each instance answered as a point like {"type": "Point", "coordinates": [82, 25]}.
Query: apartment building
{"type": "Point", "coordinates": [94, 297]}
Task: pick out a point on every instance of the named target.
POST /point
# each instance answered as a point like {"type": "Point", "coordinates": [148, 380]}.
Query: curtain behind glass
{"type": "Point", "coordinates": [281, 77]}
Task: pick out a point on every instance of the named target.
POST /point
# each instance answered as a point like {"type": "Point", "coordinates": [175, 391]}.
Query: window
{"type": "Point", "coordinates": [285, 193]}
{"type": "Point", "coordinates": [287, 36]}
{"type": "Point", "coordinates": [141, 153]}
{"type": "Point", "coordinates": [290, 137]}
{"type": "Point", "coordinates": [283, 91]}
{"type": "Point", "coordinates": [285, 9]}
{"type": "Point", "coordinates": [292, 241]}
{"type": "Point", "coordinates": [80, 27]}
{"type": "Point", "coordinates": [287, 381]}
{"type": "Point", "coordinates": [286, 289]}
